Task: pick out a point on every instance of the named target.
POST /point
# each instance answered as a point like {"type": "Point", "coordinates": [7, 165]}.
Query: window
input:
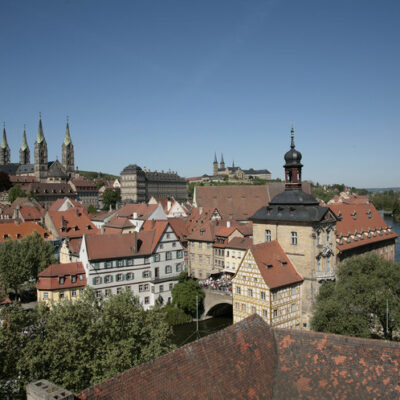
{"type": "Point", "coordinates": [192, 257]}
{"type": "Point", "coordinates": [147, 300]}
{"type": "Point", "coordinates": [61, 295]}
{"type": "Point", "coordinates": [275, 296]}
{"type": "Point", "coordinates": [129, 261]}
{"type": "Point", "coordinates": [97, 280]}
{"type": "Point", "coordinates": [200, 258]}
{"type": "Point", "coordinates": [293, 291]}
{"type": "Point", "coordinates": [61, 280]}
{"type": "Point", "coordinates": [119, 290]}
{"type": "Point", "coordinates": [200, 245]}
{"type": "Point", "coordinates": [267, 235]}
{"type": "Point", "coordinates": [255, 279]}
{"type": "Point", "coordinates": [168, 269]}
{"type": "Point", "coordinates": [328, 236]}
{"type": "Point", "coordinates": [147, 260]}
{"type": "Point", "coordinates": [171, 285]}
{"type": "Point", "coordinates": [73, 293]}
{"type": "Point", "coordinates": [179, 254]}
{"type": "Point", "coordinates": [120, 263]}
{"type": "Point", "coordinates": [265, 313]}
{"type": "Point", "coordinates": [168, 235]}
{"type": "Point", "coordinates": [208, 260]}
{"type": "Point", "coordinates": [208, 246]}
{"type": "Point", "coordinates": [243, 307]}
{"type": "Point", "coordinates": [107, 293]}
{"type": "Point", "coordinates": [129, 276]}
{"type": "Point", "coordinates": [237, 305]}
{"type": "Point", "coordinates": [168, 255]}
{"type": "Point", "coordinates": [73, 279]}
{"type": "Point", "coordinates": [161, 246]}
{"type": "Point", "coordinates": [161, 288]}
{"type": "Point", "coordinates": [328, 264]}
{"type": "Point", "coordinates": [238, 289]}
{"type": "Point", "coordinates": [80, 292]}
{"type": "Point", "coordinates": [144, 288]}
{"type": "Point", "coordinates": [81, 277]}
{"type": "Point", "coordinates": [318, 264]}
{"type": "Point", "coordinates": [227, 253]}
{"type": "Point", "coordinates": [108, 264]}
{"type": "Point", "coordinates": [275, 313]}
{"type": "Point", "coordinates": [233, 254]}
{"type": "Point", "coordinates": [318, 237]}
{"type": "Point", "coordinates": [262, 295]}
{"type": "Point", "coordinates": [179, 267]}
{"type": "Point", "coordinates": [173, 244]}
{"type": "Point", "coordinates": [45, 295]}
{"type": "Point", "coordinates": [293, 307]}
{"type": "Point", "coordinates": [294, 238]}
{"type": "Point", "coordinates": [253, 310]}
{"type": "Point", "coordinates": [98, 293]}
{"type": "Point", "coordinates": [146, 274]}
{"type": "Point", "coordinates": [250, 292]}
{"type": "Point", "coordinates": [119, 277]}
{"type": "Point", "coordinates": [108, 279]}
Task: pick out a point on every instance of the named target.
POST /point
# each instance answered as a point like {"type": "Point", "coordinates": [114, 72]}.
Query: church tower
{"type": "Point", "coordinates": [293, 166]}
{"type": "Point", "coordinates": [41, 160]}
{"type": "Point", "coordinates": [222, 163]}
{"type": "Point", "coordinates": [215, 165]}
{"type": "Point", "coordinates": [24, 152]}
{"type": "Point", "coordinates": [4, 149]}
{"type": "Point", "coordinates": [67, 151]}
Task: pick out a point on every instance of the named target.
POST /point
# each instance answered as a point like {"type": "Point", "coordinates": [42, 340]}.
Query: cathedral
{"type": "Point", "coordinates": [42, 169]}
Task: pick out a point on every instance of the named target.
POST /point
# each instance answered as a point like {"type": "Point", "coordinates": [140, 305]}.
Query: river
{"type": "Point", "coordinates": [396, 227]}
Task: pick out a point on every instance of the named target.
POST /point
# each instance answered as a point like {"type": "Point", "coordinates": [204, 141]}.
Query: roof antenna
{"type": "Point", "coordinates": [292, 136]}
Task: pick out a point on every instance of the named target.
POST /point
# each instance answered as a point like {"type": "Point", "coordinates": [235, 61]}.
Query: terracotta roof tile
{"type": "Point", "coordinates": [49, 279]}
{"type": "Point", "coordinates": [240, 243]}
{"type": "Point", "coordinates": [18, 231]}
{"type": "Point", "coordinates": [274, 265]}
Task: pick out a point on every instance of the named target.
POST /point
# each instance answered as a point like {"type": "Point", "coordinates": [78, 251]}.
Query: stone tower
{"type": "Point", "coordinates": [222, 163]}
{"type": "Point", "coordinates": [67, 151]}
{"type": "Point", "coordinates": [4, 149]}
{"type": "Point", "coordinates": [24, 152]}
{"type": "Point", "coordinates": [41, 160]}
{"type": "Point", "coordinates": [215, 165]}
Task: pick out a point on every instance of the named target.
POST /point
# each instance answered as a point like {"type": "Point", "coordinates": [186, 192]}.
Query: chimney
{"type": "Point", "coordinates": [168, 205]}
{"type": "Point", "coordinates": [135, 215]}
{"type": "Point", "coordinates": [228, 224]}
{"type": "Point", "coordinates": [200, 210]}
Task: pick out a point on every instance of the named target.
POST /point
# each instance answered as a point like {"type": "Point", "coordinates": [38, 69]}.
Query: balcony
{"type": "Point", "coordinates": [326, 275]}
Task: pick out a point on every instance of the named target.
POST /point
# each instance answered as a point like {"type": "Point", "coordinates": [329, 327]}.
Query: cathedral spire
{"type": "Point", "coordinates": [40, 135]}
{"type": "Point", "coordinates": [4, 143]}
{"type": "Point", "coordinates": [24, 144]}
{"type": "Point", "coordinates": [215, 157]}
{"type": "Point", "coordinates": [222, 158]}
{"type": "Point", "coordinates": [67, 138]}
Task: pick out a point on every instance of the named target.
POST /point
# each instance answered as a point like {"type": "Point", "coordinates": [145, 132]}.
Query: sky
{"type": "Point", "coordinates": [166, 83]}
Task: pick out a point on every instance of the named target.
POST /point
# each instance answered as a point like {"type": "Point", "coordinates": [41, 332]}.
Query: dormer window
{"type": "Point", "coordinates": [61, 280]}
{"type": "Point", "coordinates": [369, 213]}
{"type": "Point", "coordinates": [73, 279]}
{"type": "Point", "coordinates": [354, 215]}
{"type": "Point", "coordinates": [5, 236]}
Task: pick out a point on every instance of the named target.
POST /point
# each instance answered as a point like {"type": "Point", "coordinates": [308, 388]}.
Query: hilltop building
{"type": "Point", "coordinates": [237, 172]}
{"type": "Point", "coordinates": [138, 185]}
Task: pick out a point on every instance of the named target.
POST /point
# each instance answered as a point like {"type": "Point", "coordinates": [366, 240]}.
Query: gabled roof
{"type": "Point", "coordinates": [158, 227]}
{"type": "Point", "coordinates": [204, 232]}
{"type": "Point", "coordinates": [72, 223]}
{"type": "Point", "coordinates": [48, 279]}
{"type": "Point", "coordinates": [179, 226]}
{"type": "Point", "coordinates": [358, 221]}
{"type": "Point", "coordinates": [239, 243]}
{"type": "Point", "coordinates": [274, 265]}
{"type": "Point", "coordinates": [66, 202]}
{"type": "Point", "coordinates": [12, 230]}
{"type": "Point", "coordinates": [264, 363]}
{"type": "Point", "coordinates": [101, 247]}
{"type": "Point", "coordinates": [143, 211]}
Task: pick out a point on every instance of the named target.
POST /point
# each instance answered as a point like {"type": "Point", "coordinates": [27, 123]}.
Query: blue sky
{"type": "Point", "coordinates": [165, 83]}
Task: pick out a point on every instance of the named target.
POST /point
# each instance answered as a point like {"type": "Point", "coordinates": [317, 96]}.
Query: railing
{"type": "Point", "coordinates": [326, 275]}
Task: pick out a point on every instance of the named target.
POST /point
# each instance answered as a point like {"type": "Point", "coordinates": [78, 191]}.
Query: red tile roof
{"type": "Point", "coordinates": [72, 223]}
{"type": "Point", "coordinates": [179, 226]}
{"type": "Point", "coordinates": [250, 360]}
{"type": "Point", "coordinates": [358, 220]}
{"type": "Point", "coordinates": [101, 247]}
{"type": "Point", "coordinates": [240, 243]}
{"type": "Point", "coordinates": [18, 231]}
{"type": "Point", "coordinates": [158, 227]}
{"type": "Point", "coordinates": [32, 213]}
{"type": "Point", "coordinates": [274, 265]}
{"type": "Point", "coordinates": [56, 205]}
{"type": "Point", "coordinates": [142, 210]}
{"type": "Point", "coordinates": [48, 279]}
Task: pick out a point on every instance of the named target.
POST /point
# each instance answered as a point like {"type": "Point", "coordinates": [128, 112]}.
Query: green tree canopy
{"type": "Point", "coordinates": [77, 344]}
{"type": "Point", "coordinates": [184, 295]}
{"type": "Point", "coordinates": [23, 260]}
{"type": "Point", "coordinates": [111, 198]}
{"type": "Point", "coordinates": [5, 183]}
{"type": "Point", "coordinates": [355, 304]}
{"type": "Point", "coordinates": [15, 192]}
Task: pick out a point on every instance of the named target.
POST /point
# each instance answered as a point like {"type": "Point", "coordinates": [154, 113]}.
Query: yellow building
{"type": "Point", "coordinates": [304, 229]}
{"type": "Point", "coordinates": [234, 252]}
{"type": "Point", "coordinates": [61, 282]}
{"type": "Point", "coordinates": [267, 284]}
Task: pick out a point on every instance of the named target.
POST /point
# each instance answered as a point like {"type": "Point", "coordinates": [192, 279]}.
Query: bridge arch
{"type": "Point", "coordinates": [216, 302]}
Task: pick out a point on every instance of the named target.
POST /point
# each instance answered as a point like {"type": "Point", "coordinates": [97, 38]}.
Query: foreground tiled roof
{"type": "Point", "coordinates": [274, 265]}
{"type": "Point", "coordinates": [359, 225]}
{"type": "Point", "coordinates": [250, 360]}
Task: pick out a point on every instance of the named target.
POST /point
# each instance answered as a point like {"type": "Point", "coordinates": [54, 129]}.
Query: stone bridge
{"type": "Point", "coordinates": [217, 302]}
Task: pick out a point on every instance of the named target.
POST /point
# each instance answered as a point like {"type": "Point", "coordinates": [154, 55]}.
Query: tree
{"type": "Point", "coordinates": [111, 198]}
{"type": "Point", "coordinates": [355, 304]}
{"type": "Point", "coordinates": [65, 345]}
{"type": "Point", "coordinates": [15, 192]}
{"type": "Point", "coordinates": [23, 260]}
{"type": "Point", "coordinates": [184, 295]}
{"type": "Point", "coordinates": [100, 184]}
{"type": "Point", "coordinates": [92, 209]}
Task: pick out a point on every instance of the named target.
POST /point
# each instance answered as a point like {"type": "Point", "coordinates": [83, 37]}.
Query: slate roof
{"type": "Point", "coordinates": [26, 169]}
{"type": "Point", "coordinates": [250, 360]}
{"type": "Point", "coordinates": [10, 169]}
